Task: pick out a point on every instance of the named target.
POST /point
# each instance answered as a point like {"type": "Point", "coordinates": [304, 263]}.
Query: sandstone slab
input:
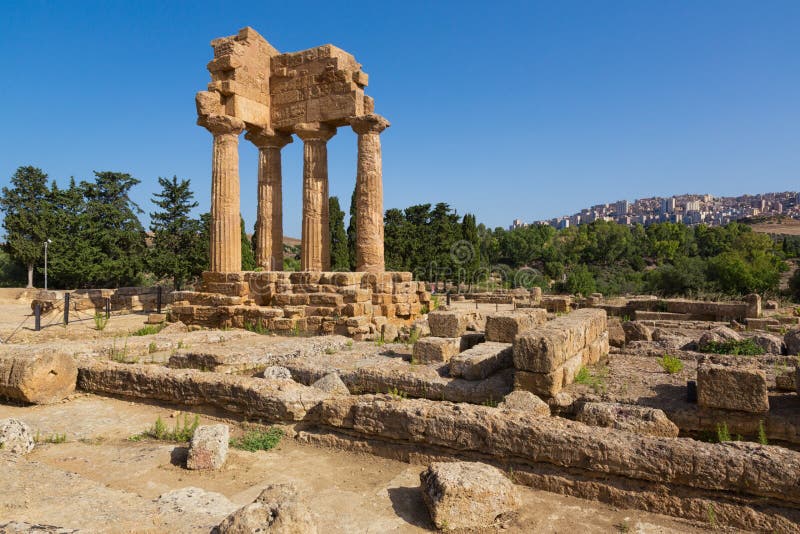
{"type": "Point", "coordinates": [631, 418]}
{"type": "Point", "coordinates": [36, 377]}
{"type": "Point", "coordinates": [449, 323]}
{"type": "Point", "coordinates": [503, 327]}
{"type": "Point", "coordinates": [525, 401]}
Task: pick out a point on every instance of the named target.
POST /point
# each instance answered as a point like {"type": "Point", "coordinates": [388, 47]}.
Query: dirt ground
{"type": "Point", "coordinates": [100, 481]}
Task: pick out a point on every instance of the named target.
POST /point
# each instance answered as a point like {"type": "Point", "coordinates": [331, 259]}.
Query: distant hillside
{"type": "Point", "coordinates": [775, 225]}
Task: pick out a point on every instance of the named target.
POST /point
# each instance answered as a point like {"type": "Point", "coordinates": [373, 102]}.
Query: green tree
{"type": "Point", "coordinates": [248, 256]}
{"type": "Point", "coordinates": [472, 263]}
{"type": "Point", "coordinates": [175, 241]}
{"type": "Point", "coordinates": [71, 253]}
{"type": "Point", "coordinates": [580, 280]}
{"type": "Point", "coordinates": [340, 252]}
{"type": "Point", "coordinates": [109, 223]}
{"type": "Point", "coordinates": [25, 206]}
{"type": "Point", "coordinates": [351, 232]}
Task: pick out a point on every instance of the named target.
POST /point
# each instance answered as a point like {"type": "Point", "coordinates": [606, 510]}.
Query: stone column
{"type": "Point", "coordinates": [315, 252]}
{"type": "Point", "coordinates": [226, 244]}
{"type": "Point", "coordinates": [369, 193]}
{"type": "Point", "coordinates": [269, 221]}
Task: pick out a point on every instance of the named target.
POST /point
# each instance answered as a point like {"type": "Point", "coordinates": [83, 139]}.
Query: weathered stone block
{"type": "Point", "coordinates": [637, 419]}
{"type": "Point", "coordinates": [448, 323]}
{"type": "Point", "coordinates": [36, 377]}
{"type": "Point", "coordinates": [525, 401]}
{"type": "Point", "coordinates": [732, 388]}
{"type": "Point", "coordinates": [481, 360]}
{"type": "Point", "coordinates": [208, 448]}
{"type": "Point", "coordinates": [331, 383]}
{"type": "Point", "coordinates": [277, 509]}
{"type": "Point", "coordinates": [636, 331]}
{"type": "Point", "coordinates": [466, 495]}
{"type": "Point", "coordinates": [436, 349]}
{"type": "Point", "coordinates": [470, 339]}
{"type": "Point", "coordinates": [503, 327]}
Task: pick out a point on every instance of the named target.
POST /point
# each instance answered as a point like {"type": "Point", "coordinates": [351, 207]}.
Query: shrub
{"type": "Point", "coordinates": [180, 432]}
{"type": "Point", "coordinates": [745, 347]}
{"type": "Point", "coordinates": [670, 364]}
{"type": "Point", "coordinates": [722, 432]}
{"type": "Point", "coordinates": [258, 440]}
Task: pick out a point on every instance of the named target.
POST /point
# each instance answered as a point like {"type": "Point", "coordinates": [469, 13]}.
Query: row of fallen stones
{"type": "Point", "coordinates": [636, 331]}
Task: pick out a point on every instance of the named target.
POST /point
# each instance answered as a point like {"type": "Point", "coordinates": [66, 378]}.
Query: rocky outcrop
{"type": "Point", "coordinates": [466, 495]}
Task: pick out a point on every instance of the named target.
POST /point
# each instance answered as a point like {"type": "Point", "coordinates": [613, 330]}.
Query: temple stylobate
{"type": "Point", "coordinates": [271, 97]}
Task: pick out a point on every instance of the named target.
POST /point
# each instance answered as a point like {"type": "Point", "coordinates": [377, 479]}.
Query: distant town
{"type": "Point", "coordinates": [687, 209]}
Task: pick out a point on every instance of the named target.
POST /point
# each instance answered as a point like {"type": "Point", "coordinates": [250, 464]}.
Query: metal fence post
{"type": "Point", "coordinates": [37, 313]}
{"type": "Point", "coordinates": [158, 300]}
{"type": "Point", "coordinates": [66, 309]}
{"type": "Point", "coordinates": [108, 307]}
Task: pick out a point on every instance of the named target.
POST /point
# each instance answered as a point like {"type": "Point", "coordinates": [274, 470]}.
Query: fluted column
{"type": "Point", "coordinates": [369, 193]}
{"type": "Point", "coordinates": [226, 244]}
{"type": "Point", "coordinates": [269, 221]}
{"type": "Point", "coordinates": [315, 252]}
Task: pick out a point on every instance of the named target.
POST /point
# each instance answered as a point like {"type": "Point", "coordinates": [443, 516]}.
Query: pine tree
{"type": "Point", "coordinates": [71, 255]}
{"type": "Point", "coordinates": [472, 260]}
{"type": "Point", "coordinates": [175, 234]}
{"type": "Point", "coordinates": [351, 232]}
{"type": "Point", "coordinates": [248, 256]}
{"type": "Point", "coordinates": [26, 208]}
{"type": "Point", "coordinates": [110, 224]}
{"type": "Point", "coordinates": [340, 251]}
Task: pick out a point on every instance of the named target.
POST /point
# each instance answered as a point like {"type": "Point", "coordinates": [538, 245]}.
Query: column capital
{"type": "Point", "coordinates": [314, 131]}
{"type": "Point", "coordinates": [221, 124]}
{"type": "Point", "coordinates": [370, 123]}
{"type": "Point", "coordinates": [268, 138]}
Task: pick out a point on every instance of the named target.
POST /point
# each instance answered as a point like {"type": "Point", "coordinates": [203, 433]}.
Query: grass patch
{"type": "Point", "coordinates": [745, 347]}
{"type": "Point", "coordinates": [670, 364]}
{"type": "Point", "coordinates": [182, 431]}
{"type": "Point", "coordinates": [100, 321]}
{"type": "Point", "coordinates": [258, 440]}
{"type": "Point", "coordinates": [120, 355]}
{"type": "Point", "coordinates": [397, 393]}
{"type": "Point", "coordinates": [723, 434]}
{"type": "Point", "coordinates": [331, 350]}
{"type": "Point", "coordinates": [258, 327]}
{"type": "Point", "coordinates": [149, 330]}
{"type": "Point", "coordinates": [594, 379]}
{"type": "Point", "coordinates": [53, 438]}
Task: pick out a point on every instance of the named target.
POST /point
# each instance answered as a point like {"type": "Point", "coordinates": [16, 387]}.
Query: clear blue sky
{"type": "Point", "coordinates": [503, 109]}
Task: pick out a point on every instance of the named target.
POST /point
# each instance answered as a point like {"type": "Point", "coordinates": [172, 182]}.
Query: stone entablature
{"type": "Point", "coordinates": [352, 304]}
{"type": "Point", "coordinates": [272, 96]}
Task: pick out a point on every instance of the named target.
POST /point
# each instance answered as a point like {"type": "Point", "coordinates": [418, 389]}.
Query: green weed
{"type": "Point", "coordinates": [762, 433]}
{"type": "Point", "coordinates": [723, 434]}
{"type": "Point", "coordinates": [258, 440]}
{"type": "Point", "coordinates": [257, 327]}
{"type": "Point", "coordinates": [149, 330]}
{"type": "Point", "coordinates": [182, 431]}
{"type": "Point", "coordinates": [745, 347]}
{"type": "Point", "coordinates": [397, 393]}
{"type": "Point", "coordinates": [53, 438]}
{"type": "Point", "coordinates": [670, 364]}
{"type": "Point", "coordinates": [100, 321]}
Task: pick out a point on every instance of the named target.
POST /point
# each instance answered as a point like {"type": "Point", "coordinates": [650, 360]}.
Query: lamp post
{"type": "Point", "coordinates": [45, 262]}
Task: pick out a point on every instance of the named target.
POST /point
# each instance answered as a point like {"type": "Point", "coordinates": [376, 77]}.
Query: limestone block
{"type": "Point", "coordinates": [732, 388]}
{"type": "Point", "coordinates": [466, 495]}
{"type": "Point", "coordinates": [720, 334]}
{"type": "Point", "coordinates": [596, 350]}
{"type": "Point", "coordinates": [631, 418]}
{"type": "Point", "coordinates": [156, 318]}
{"type": "Point", "coordinates": [503, 327]}
{"type": "Point", "coordinates": [436, 349]}
{"type": "Point", "coordinates": [544, 348]}
{"type": "Point", "coordinates": [277, 509]}
{"type": "Point", "coordinates": [481, 360]}
{"type": "Point", "coordinates": [771, 343]}
{"type": "Point", "coordinates": [208, 448]}
{"type": "Point", "coordinates": [636, 331]}
{"type": "Point", "coordinates": [15, 437]}
{"type": "Point", "coordinates": [556, 303]}
{"type": "Point", "coordinates": [36, 377]}
{"type": "Point", "coordinates": [389, 332]}
{"type": "Point", "coordinates": [525, 401]}
{"type": "Point", "coordinates": [448, 323]}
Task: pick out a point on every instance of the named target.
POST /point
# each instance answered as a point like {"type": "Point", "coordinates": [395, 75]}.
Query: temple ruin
{"type": "Point", "coordinates": [271, 97]}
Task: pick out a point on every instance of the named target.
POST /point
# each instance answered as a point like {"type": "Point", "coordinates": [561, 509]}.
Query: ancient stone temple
{"type": "Point", "coordinates": [271, 97]}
